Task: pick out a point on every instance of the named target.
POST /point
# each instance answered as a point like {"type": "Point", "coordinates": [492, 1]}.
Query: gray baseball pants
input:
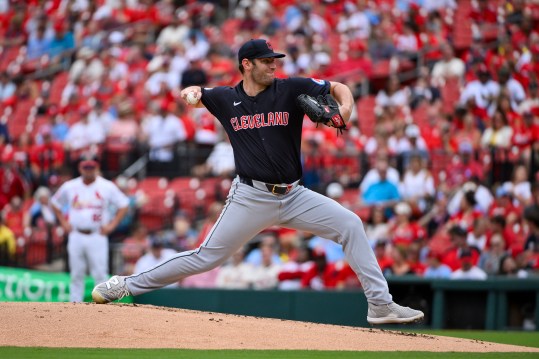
{"type": "Point", "coordinates": [247, 212]}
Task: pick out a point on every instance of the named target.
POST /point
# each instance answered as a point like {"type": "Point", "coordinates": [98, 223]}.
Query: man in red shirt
{"type": "Point", "coordinates": [465, 167]}
{"type": "Point", "coordinates": [46, 158]}
{"type": "Point", "coordinates": [451, 258]}
{"type": "Point", "coordinates": [12, 183]}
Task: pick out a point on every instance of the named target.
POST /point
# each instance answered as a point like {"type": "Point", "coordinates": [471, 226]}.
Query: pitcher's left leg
{"type": "Point", "coordinates": [314, 213]}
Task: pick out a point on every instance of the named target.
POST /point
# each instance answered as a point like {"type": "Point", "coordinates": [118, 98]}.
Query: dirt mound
{"type": "Point", "coordinates": [142, 326]}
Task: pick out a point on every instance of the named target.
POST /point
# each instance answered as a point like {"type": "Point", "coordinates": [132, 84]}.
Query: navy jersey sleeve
{"type": "Point", "coordinates": [309, 86]}
{"type": "Point", "coordinates": [214, 98]}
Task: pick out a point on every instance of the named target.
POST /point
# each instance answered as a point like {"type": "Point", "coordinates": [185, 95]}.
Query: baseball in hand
{"type": "Point", "coordinates": [192, 98]}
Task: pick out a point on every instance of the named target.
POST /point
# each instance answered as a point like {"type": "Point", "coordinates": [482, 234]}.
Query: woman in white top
{"type": "Point", "coordinates": [393, 94]}
{"type": "Point", "coordinates": [417, 185]}
{"type": "Point", "coordinates": [498, 134]}
{"type": "Point", "coordinates": [520, 186]}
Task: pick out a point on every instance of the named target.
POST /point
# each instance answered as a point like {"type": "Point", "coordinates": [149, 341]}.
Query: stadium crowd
{"type": "Point", "coordinates": [441, 158]}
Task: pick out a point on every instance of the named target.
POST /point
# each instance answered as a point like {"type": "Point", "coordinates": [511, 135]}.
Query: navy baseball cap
{"type": "Point", "coordinates": [257, 49]}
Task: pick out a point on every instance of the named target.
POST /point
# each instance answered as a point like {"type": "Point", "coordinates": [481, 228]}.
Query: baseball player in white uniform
{"type": "Point", "coordinates": [82, 206]}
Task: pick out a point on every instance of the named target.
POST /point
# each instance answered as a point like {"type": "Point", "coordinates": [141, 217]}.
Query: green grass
{"type": "Point", "coordinates": [41, 353]}
{"type": "Point", "coordinates": [528, 339]}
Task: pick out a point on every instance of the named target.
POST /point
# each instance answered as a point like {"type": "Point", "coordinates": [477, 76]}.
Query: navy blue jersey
{"type": "Point", "coordinates": [264, 130]}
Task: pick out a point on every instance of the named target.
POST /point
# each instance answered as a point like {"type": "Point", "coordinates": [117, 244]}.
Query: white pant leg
{"type": "Point", "coordinates": [97, 252]}
{"type": "Point", "coordinates": [77, 266]}
{"type": "Point", "coordinates": [312, 212]}
{"type": "Point", "coordinates": [247, 212]}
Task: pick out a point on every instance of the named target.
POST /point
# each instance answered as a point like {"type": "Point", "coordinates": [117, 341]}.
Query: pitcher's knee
{"type": "Point", "coordinates": [351, 227]}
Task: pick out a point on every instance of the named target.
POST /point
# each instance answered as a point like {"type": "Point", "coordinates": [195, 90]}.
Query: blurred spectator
{"type": "Point", "coordinates": [38, 44]}
{"type": "Point", "coordinates": [102, 116]}
{"type": "Point", "coordinates": [87, 65]}
{"type": "Point", "coordinates": [292, 271]}
{"type": "Point", "coordinates": [449, 67]}
{"type": "Point", "coordinates": [156, 254]}
{"type": "Point", "coordinates": [424, 91]}
{"type": "Point", "coordinates": [206, 279]}
{"type": "Point", "coordinates": [130, 218]}
{"type": "Point", "coordinates": [220, 162]}
{"type": "Point", "coordinates": [477, 237]}
{"type": "Point", "coordinates": [7, 87]}
{"type": "Point", "coordinates": [289, 240]}
{"type": "Point", "coordinates": [60, 128]}
{"type": "Point", "coordinates": [8, 243]}
{"type": "Point", "coordinates": [176, 31]}
{"type": "Point", "coordinates": [531, 247]}
{"type": "Point", "coordinates": [213, 213]}
{"type": "Point", "coordinates": [125, 128]}
{"type": "Point", "coordinates": [413, 254]}
{"type": "Point", "coordinates": [162, 132]}
{"type": "Point", "coordinates": [195, 75]}
{"type": "Point", "coordinates": [373, 175]}
{"type": "Point", "coordinates": [235, 273]}
{"type": "Point", "coordinates": [482, 195]}
{"type": "Point", "coordinates": [525, 135]}
{"type": "Point", "coordinates": [469, 134]}
{"type": "Point", "coordinates": [467, 268]}
{"type": "Point", "coordinates": [82, 135]}
{"type": "Point", "coordinates": [403, 231]}
{"type": "Point", "coordinates": [464, 167]}
{"type": "Point", "coordinates": [15, 34]}
{"type": "Point", "coordinates": [417, 186]}
{"type": "Point", "coordinates": [519, 186]}
{"type": "Point", "coordinates": [511, 87]}
{"type": "Point", "coordinates": [382, 191]}
{"type": "Point", "coordinates": [40, 214]}
{"type": "Point", "coordinates": [482, 92]}
{"type": "Point", "coordinates": [435, 268]}
{"type": "Point", "coordinates": [134, 247]}
{"type": "Point", "coordinates": [531, 102]}
{"type": "Point", "coordinates": [162, 79]}
{"type": "Point", "coordinates": [13, 214]}
{"type": "Point", "coordinates": [459, 245]}
{"type": "Point", "coordinates": [499, 134]}
{"type": "Point", "coordinates": [47, 158]}
{"type": "Point", "coordinates": [407, 43]}
{"type": "Point", "coordinates": [467, 213]}
{"type": "Point", "coordinates": [182, 235]}
{"type": "Point", "coordinates": [382, 251]}
{"type": "Point", "coordinates": [353, 21]}
{"type": "Point", "coordinates": [399, 265]}
{"type": "Point", "coordinates": [509, 267]}
{"type": "Point", "coordinates": [12, 182]}
{"type": "Point", "coordinates": [264, 275]}
{"type": "Point", "coordinates": [376, 226]}
{"type": "Point", "coordinates": [406, 142]}
{"type": "Point", "coordinates": [333, 251]}
{"type": "Point", "coordinates": [412, 145]}
{"type": "Point", "coordinates": [268, 240]}
{"type": "Point", "coordinates": [380, 45]}
{"type": "Point", "coordinates": [394, 95]}
{"type": "Point", "coordinates": [490, 259]}
{"type": "Point", "coordinates": [62, 41]}
{"type": "Point", "coordinates": [321, 275]}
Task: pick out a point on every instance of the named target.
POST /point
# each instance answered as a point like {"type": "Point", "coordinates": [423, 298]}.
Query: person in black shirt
{"type": "Point", "coordinates": [264, 125]}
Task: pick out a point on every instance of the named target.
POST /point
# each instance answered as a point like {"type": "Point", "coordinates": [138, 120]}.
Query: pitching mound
{"type": "Point", "coordinates": [85, 325]}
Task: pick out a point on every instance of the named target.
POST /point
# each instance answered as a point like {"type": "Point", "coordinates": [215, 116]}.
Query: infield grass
{"type": "Point", "coordinates": [527, 339]}
{"type": "Point", "coordinates": [530, 339]}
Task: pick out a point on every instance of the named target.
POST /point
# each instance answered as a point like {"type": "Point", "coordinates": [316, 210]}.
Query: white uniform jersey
{"type": "Point", "coordinates": [88, 205]}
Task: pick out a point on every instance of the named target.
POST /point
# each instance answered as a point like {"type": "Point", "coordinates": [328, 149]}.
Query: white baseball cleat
{"type": "Point", "coordinates": [393, 313]}
{"type": "Point", "coordinates": [113, 289]}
